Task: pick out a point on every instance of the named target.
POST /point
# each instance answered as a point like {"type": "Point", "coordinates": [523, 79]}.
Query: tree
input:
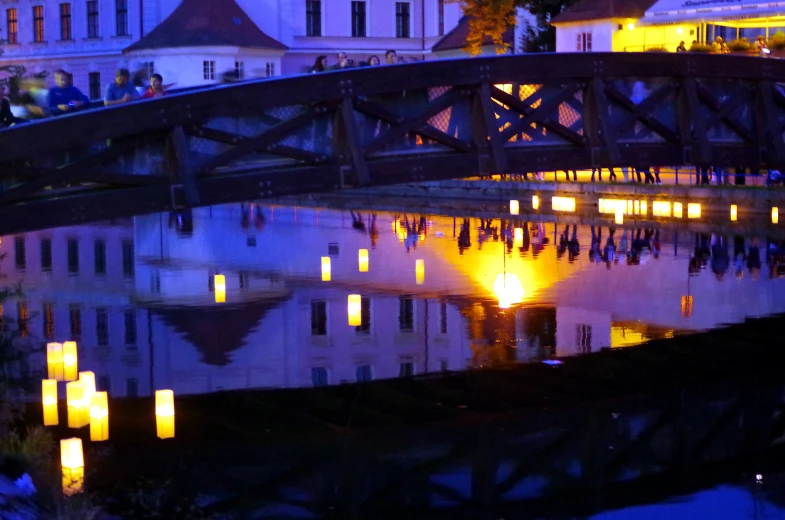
{"type": "Point", "coordinates": [489, 19]}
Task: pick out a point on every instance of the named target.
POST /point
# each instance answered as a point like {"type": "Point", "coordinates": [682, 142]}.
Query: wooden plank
{"type": "Point", "coordinates": [486, 118]}
{"type": "Point", "coordinates": [524, 108]}
{"type": "Point", "coordinates": [352, 141]}
{"type": "Point", "coordinates": [603, 118]}
{"type": "Point", "coordinates": [541, 113]}
{"type": "Point", "coordinates": [185, 170]}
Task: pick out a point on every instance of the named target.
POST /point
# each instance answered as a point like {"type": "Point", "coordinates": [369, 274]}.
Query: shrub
{"type": "Point", "coordinates": [658, 48]}
{"type": "Point", "coordinates": [739, 45]}
{"type": "Point", "coordinates": [700, 47]}
{"type": "Point", "coordinates": [777, 41]}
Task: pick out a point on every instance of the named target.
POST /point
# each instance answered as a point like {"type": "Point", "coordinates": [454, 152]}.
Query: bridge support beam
{"type": "Point", "coordinates": [180, 165]}
{"type": "Point", "coordinates": [486, 134]}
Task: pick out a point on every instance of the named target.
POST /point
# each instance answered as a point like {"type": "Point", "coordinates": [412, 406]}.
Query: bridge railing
{"type": "Point", "coordinates": [422, 121]}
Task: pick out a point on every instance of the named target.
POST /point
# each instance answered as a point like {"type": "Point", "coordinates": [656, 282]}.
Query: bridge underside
{"type": "Point", "coordinates": [378, 126]}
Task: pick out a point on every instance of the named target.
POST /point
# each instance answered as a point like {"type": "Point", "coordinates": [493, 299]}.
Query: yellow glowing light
{"type": "Point", "coordinates": [219, 282]}
{"type": "Point", "coordinates": [733, 212]}
{"type": "Point", "coordinates": [775, 215]}
{"type": "Point", "coordinates": [661, 208]}
{"type": "Point", "coordinates": [88, 378]}
{"type": "Point", "coordinates": [566, 204]}
{"type": "Point", "coordinates": [354, 308]}
{"type": "Point", "coordinates": [693, 210]}
{"type": "Point", "coordinates": [518, 237]}
{"type": "Point", "coordinates": [514, 207]}
{"type": "Point", "coordinates": [619, 216]}
{"type": "Point", "coordinates": [629, 208]}
{"type": "Point", "coordinates": [70, 361]}
{"type": "Point", "coordinates": [508, 289]}
{"type": "Point", "coordinates": [679, 30]}
{"type": "Point", "coordinates": [99, 417]}
{"type": "Point", "coordinates": [78, 409]}
{"type": "Point", "coordinates": [326, 269]}
{"type": "Point", "coordinates": [678, 210]}
{"type": "Point", "coordinates": [72, 463]}
{"type": "Point", "coordinates": [686, 306]}
{"type": "Point", "coordinates": [164, 413]}
{"type": "Point", "coordinates": [362, 260]}
{"type": "Point", "coordinates": [419, 271]}
{"type": "Point", "coordinates": [49, 401]}
{"type": "Point", "coordinates": [631, 26]}
{"type": "Point", "coordinates": [644, 208]}
{"type": "Point", "coordinates": [54, 361]}
{"type": "Point", "coordinates": [535, 202]}
{"type": "Point", "coordinates": [636, 207]}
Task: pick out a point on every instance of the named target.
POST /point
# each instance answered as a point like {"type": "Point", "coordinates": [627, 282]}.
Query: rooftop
{"type": "Point", "coordinates": [456, 38]}
{"type": "Point", "coordinates": [586, 10]}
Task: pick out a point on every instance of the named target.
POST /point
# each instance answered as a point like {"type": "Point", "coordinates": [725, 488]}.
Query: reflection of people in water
{"type": "Point", "coordinates": [357, 221]}
{"type": "Point", "coordinates": [464, 236]}
{"type": "Point", "coordinates": [596, 241]}
{"type": "Point", "coordinates": [739, 256]}
{"type": "Point", "coordinates": [374, 231]}
{"type": "Point", "coordinates": [720, 259]}
{"type": "Point", "coordinates": [609, 253]}
{"type": "Point", "coordinates": [252, 211]}
{"type": "Point", "coordinates": [753, 259]}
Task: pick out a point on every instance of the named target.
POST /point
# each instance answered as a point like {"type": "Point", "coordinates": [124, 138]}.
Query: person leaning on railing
{"type": "Point", "coordinates": [121, 91]}
{"type": "Point", "coordinates": [64, 97]}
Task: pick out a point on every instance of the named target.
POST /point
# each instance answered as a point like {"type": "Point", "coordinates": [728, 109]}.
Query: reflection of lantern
{"type": "Point", "coordinates": [535, 202]}
{"type": "Point", "coordinates": [88, 378]}
{"type": "Point", "coordinates": [49, 401]}
{"type": "Point", "coordinates": [219, 282]}
{"type": "Point", "coordinates": [164, 413]}
{"type": "Point", "coordinates": [355, 310]}
{"type": "Point", "coordinates": [419, 271]}
{"type": "Point", "coordinates": [72, 462]}
{"type": "Point", "coordinates": [99, 417]}
{"type": "Point", "coordinates": [619, 216]}
{"type": "Point", "coordinates": [70, 363]}
{"type": "Point", "coordinates": [508, 290]}
{"type": "Point", "coordinates": [733, 212]}
{"type": "Point", "coordinates": [78, 409]}
{"type": "Point", "coordinates": [362, 260]}
{"type": "Point", "coordinates": [518, 237]}
{"type": "Point", "coordinates": [686, 306]}
{"type": "Point", "coordinates": [644, 208]}
{"type": "Point", "coordinates": [661, 208]}
{"type": "Point", "coordinates": [678, 210]}
{"type": "Point", "coordinates": [54, 361]}
{"type": "Point", "coordinates": [563, 204]}
{"type": "Point", "coordinates": [693, 210]}
{"type": "Point", "coordinates": [326, 271]}
{"type": "Point", "coordinates": [775, 215]}
{"type": "Point", "coordinates": [629, 207]}
{"type": "Point", "coordinates": [514, 207]}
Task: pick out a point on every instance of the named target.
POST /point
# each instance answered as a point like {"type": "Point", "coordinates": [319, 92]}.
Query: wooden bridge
{"type": "Point", "coordinates": [385, 125]}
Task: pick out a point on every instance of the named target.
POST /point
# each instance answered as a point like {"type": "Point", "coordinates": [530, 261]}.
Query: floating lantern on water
{"type": "Point", "coordinates": [563, 204]}
{"type": "Point", "coordinates": [733, 212]}
{"type": "Point", "coordinates": [70, 361]}
{"type": "Point", "coordinates": [72, 462]}
{"type": "Point", "coordinates": [355, 310]}
{"type": "Point", "coordinates": [99, 417]}
{"type": "Point", "coordinates": [49, 401]}
{"type": "Point", "coordinates": [508, 289]}
{"type": "Point", "coordinates": [619, 216]}
{"type": "Point", "coordinates": [535, 202]}
{"type": "Point", "coordinates": [678, 210]}
{"type": "Point", "coordinates": [644, 208]}
{"type": "Point", "coordinates": [419, 271]}
{"type": "Point", "coordinates": [54, 361]}
{"type": "Point", "coordinates": [326, 270]}
{"type": "Point", "coordinates": [514, 207]}
{"type": "Point", "coordinates": [88, 378]}
{"type": "Point", "coordinates": [362, 260]}
{"type": "Point", "coordinates": [164, 413]}
{"type": "Point", "coordinates": [629, 207]}
{"type": "Point", "coordinates": [661, 208]}
{"type": "Point", "coordinates": [518, 237]}
{"type": "Point", "coordinates": [775, 215]}
{"type": "Point", "coordinates": [219, 282]}
{"type": "Point", "coordinates": [78, 409]}
{"type": "Point", "coordinates": [693, 210]}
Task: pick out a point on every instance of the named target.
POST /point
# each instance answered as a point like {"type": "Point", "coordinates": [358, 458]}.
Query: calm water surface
{"type": "Point", "coordinates": [140, 298]}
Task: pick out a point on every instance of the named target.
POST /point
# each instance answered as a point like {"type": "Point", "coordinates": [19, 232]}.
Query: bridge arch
{"type": "Point", "coordinates": [386, 125]}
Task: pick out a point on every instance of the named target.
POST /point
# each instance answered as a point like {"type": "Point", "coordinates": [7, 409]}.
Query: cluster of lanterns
{"type": "Point", "coordinates": [86, 407]}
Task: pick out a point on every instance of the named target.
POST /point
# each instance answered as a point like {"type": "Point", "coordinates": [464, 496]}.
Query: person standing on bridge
{"type": "Point", "coordinates": [156, 88]}
{"type": "Point", "coordinates": [121, 91]}
{"type": "Point", "coordinates": [65, 97]}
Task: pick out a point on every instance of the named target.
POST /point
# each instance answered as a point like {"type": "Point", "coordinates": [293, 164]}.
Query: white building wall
{"type": "Point", "coordinates": [602, 33]}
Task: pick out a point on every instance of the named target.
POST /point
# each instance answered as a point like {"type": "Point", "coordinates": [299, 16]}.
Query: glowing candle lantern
{"type": "Point", "coordinates": [54, 361]}
{"type": "Point", "coordinates": [362, 259]}
{"type": "Point", "coordinates": [99, 417]}
{"type": "Point", "coordinates": [419, 271]}
{"type": "Point", "coordinates": [775, 215]}
{"type": "Point", "coordinates": [354, 309]}
{"type": "Point", "coordinates": [72, 462]}
{"type": "Point", "coordinates": [661, 208]}
{"type": "Point", "coordinates": [566, 204]}
{"type": "Point", "coordinates": [619, 216]}
{"type": "Point", "coordinates": [535, 202]}
{"type": "Point", "coordinates": [644, 208]}
{"type": "Point", "coordinates": [693, 210]}
{"type": "Point", "coordinates": [164, 413]}
{"type": "Point", "coordinates": [70, 361]}
{"type": "Point", "coordinates": [636, 207]}
{"type": "Point", "coordinates": [326, 269]}
{"type": "Point", "coordinates": [514, 207]}
{"type": "Point", "coordinates": [678, 211]}
{"type": "Point", "coordinates": [88, 378]}
{"type": "Point", "coordinates": [49, 401]}
{"type": "Point", "coordinates": [733, 212]}
{"type": "Point", "coordinates": [78, 409]}
{"type": "Point", "coordinates": [629, 207]}
{"type": "Point", "coordinates": [518, 237]}
{"type": "Point", "coordinates": [219, 282]}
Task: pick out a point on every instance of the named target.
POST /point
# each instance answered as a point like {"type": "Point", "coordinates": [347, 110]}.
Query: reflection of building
{"type": "Point", "coordinates": [141, 299]}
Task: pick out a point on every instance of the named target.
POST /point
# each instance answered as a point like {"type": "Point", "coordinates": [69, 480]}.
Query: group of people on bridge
{"type": "Point", "coordinates": [33, 101]}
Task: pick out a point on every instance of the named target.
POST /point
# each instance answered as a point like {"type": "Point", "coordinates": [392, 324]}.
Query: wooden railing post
{"type": "Point", "coordinates": [485, 130]}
